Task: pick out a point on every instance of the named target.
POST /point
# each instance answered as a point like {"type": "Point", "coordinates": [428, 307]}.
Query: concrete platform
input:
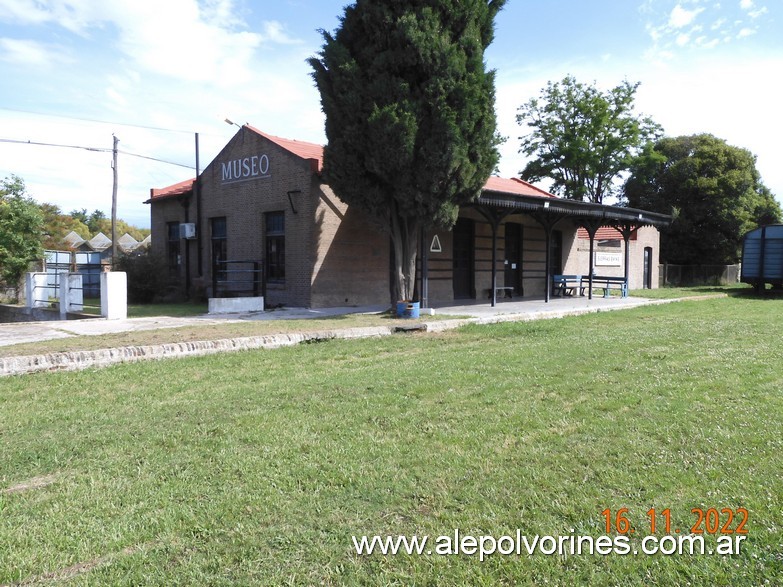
{"type": "Point", "coordinates": [522, 309]}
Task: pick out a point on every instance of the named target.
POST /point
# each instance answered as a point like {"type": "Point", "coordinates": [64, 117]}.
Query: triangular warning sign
{"type": "Point", "coordinates": [435, 246]}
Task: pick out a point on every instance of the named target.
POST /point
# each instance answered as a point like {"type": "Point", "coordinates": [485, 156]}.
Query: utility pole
{"type": "Point", "coordinates": [114, 204]}
{"type": "Point", "coordinates": [197, 188]}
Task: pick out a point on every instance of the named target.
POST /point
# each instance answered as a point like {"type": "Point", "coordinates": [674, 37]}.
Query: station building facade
{"type": "Point", "coordinates": [262, 201]}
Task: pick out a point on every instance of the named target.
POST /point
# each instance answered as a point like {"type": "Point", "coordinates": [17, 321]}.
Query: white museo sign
{"type": "Point", "coordinates": [608, 259]}
{"type": "Point", "coordinates": [245, 169]}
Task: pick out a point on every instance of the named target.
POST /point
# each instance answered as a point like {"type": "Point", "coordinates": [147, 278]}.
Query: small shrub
{"type": "Point", "coordinates": [147, 276]}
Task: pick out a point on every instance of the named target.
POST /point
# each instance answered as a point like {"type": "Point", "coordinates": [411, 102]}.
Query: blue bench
{"type": "Point", "coordinates": [607, 282]}
{"type": "Point", "coordinates": [567, 285]}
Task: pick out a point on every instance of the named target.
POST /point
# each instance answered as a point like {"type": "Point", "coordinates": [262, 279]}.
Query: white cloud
{"type": "Point", "coordinates": [74, 15]}
{"type": "Point", "coordinates": [23, 12]}
{"type": "Point", "coordinates": [750, 7]}
{"type": "Point", "coordinates": [30, 53]}
{"type": "Point", "coordinates": [274, 32]}
{"type": "Point", "coordinates": [745, 32]}
{"type": "Point", "coordinates": [183, 39]}
{"type": "Point", "coordinates": [706, 43]}
{"type": "Point", "coordinates": [681, 17]}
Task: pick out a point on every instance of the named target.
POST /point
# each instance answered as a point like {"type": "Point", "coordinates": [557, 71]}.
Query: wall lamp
{"type": "Point", "coordinates": [291, 199]}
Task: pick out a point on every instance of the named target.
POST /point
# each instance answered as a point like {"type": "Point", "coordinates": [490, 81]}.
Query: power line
{"type": "Point", "coordinates": [97, 149]}
{"type": "Point", "coordinates": [155, 159]}
{"type": "Point", "coordinates": [83, 119]}
{"type": "Point", "coordinates": [94, 149]}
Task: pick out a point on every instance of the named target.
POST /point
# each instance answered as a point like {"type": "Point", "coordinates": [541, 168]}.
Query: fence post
{"type": "Point", "coordinates": [29, 289]}
{"type": "Point", "coordinates": [64, 293]}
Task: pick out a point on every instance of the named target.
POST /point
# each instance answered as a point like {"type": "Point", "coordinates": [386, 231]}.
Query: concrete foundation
{"type": "Point", "coordinates": [236, 305]}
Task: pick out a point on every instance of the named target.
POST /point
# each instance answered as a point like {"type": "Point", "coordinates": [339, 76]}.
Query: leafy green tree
{"type": "Point", "coordinates": [21, 225]}
{"type": "Point", "coordinates": [57, 225]}
{"type": "Point", "coordinates": [583, 138]}
{"type": "Point", "coordinates": [714, 191]}
{"type": "Point", "coordinates": [80, 215]}
{"type": "Point", "coordinates": [410, 116]}
{"type": "Point", "coordinates": [98, 222]}
{"type": "Point", "coordinates": [104, 226]}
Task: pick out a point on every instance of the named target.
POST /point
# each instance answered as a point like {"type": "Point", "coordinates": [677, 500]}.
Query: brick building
{"type": "Point", "coordinates": [262, 200]}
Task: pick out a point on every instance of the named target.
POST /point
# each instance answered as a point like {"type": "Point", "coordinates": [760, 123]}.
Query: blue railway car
{"type": "Point", "coordinates": [762, 257]}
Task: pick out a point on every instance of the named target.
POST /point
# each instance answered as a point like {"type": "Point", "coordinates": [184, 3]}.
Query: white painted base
{"type": "Point", "coordinates": [236, 305]}
{"type": "Point", "coordinates": [114, 295]}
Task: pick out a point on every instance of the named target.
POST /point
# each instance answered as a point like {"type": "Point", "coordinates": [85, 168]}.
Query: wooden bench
{"type": "Point", "coordinates": [607, 282]}
{"type": "Point", "coordinates": [566, 285]}
{"type": "Point", "coordinates": [508, 292]}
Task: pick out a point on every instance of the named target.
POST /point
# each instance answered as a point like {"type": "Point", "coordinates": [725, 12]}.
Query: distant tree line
{"type": "Point", "coordinates": [27, 228]}
{"type": "Point", "coordinates": [592, 145]}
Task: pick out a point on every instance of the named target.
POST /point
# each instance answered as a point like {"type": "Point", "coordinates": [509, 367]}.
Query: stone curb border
{"type": "Point", "coordinates": [78, 360]}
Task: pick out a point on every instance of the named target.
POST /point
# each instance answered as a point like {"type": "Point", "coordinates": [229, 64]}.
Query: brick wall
{"type": "Point", "coordinates": [646, 237]}
{"type": "Point", "coordinates": [350, 255]}
{"type": "Point", "coordinates": [333, 255]}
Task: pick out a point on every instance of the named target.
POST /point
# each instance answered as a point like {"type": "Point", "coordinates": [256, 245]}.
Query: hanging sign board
{"type": "Point", "coordinates": [435, 246]}
{"type": "Point", "coordinates": [608, 259]}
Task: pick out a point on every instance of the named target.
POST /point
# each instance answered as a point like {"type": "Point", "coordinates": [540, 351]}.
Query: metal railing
{"type": "Point", "coordinates": [48, 294]}
{"type": "Point", "coordinates": [247, 278]}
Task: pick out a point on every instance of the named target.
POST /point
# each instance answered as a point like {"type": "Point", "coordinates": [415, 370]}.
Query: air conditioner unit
{"type": "Point", "coordinates": [187, 230]}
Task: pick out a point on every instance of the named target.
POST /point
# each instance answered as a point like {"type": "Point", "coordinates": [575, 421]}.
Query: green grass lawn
{"type": "Point", "coordinates": [668, 292]}
{"type": "Point", "coordinates": [93, 306]}
{"type": "Point", "coordinates": [257, 468]}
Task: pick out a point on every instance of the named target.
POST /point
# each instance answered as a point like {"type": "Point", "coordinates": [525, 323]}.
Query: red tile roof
{"type": "Point", "coordinates": [315, 154]}
{"type": "Point", "coordinates": [515, 186]}
{"type": "Point", "coordinates": [603, 233]}
{"type": "Point", "coordinates": [309, 151]}
{"type": "Point", "coordinates": [177, 189]}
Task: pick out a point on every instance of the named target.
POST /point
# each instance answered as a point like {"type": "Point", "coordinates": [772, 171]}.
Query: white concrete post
{"type": "Point", "coordinates": [65, 290]}
{"type": "Point", "coordinates": [76, 292]}
{"type": "Point", "coordinates": [36, 286]}
{"type": "Point", "coordinates": [29, 289]}
{"type": "Point", "coordinates": [114, 295]}
{"type": "Point", "coordinates": [71, 294]}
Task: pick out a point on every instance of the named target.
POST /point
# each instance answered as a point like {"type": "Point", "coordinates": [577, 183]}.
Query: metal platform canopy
{"type": "Point", "coordinates": [550, 211]}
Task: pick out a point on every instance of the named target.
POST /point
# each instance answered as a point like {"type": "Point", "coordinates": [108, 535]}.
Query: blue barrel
{"type": "Point", "coordinates": [407, 309]}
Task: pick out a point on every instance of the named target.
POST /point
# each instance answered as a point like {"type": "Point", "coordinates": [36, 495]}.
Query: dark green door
{"type": "Point", "coordinates": [463, 259]}
{"type": "Point", "coordinates": [513, 258]}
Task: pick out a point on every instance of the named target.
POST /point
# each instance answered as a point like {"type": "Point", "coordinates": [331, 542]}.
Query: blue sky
{"type": "Point", "coordinates": [155, 72]}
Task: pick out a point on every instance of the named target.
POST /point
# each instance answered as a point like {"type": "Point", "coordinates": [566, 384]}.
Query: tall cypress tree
{"type": "Point", "coordinates": [410, 118]}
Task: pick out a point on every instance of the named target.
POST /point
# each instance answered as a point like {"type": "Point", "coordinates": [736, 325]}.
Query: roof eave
{"type": "Point", "coordinates": [573, 208]}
